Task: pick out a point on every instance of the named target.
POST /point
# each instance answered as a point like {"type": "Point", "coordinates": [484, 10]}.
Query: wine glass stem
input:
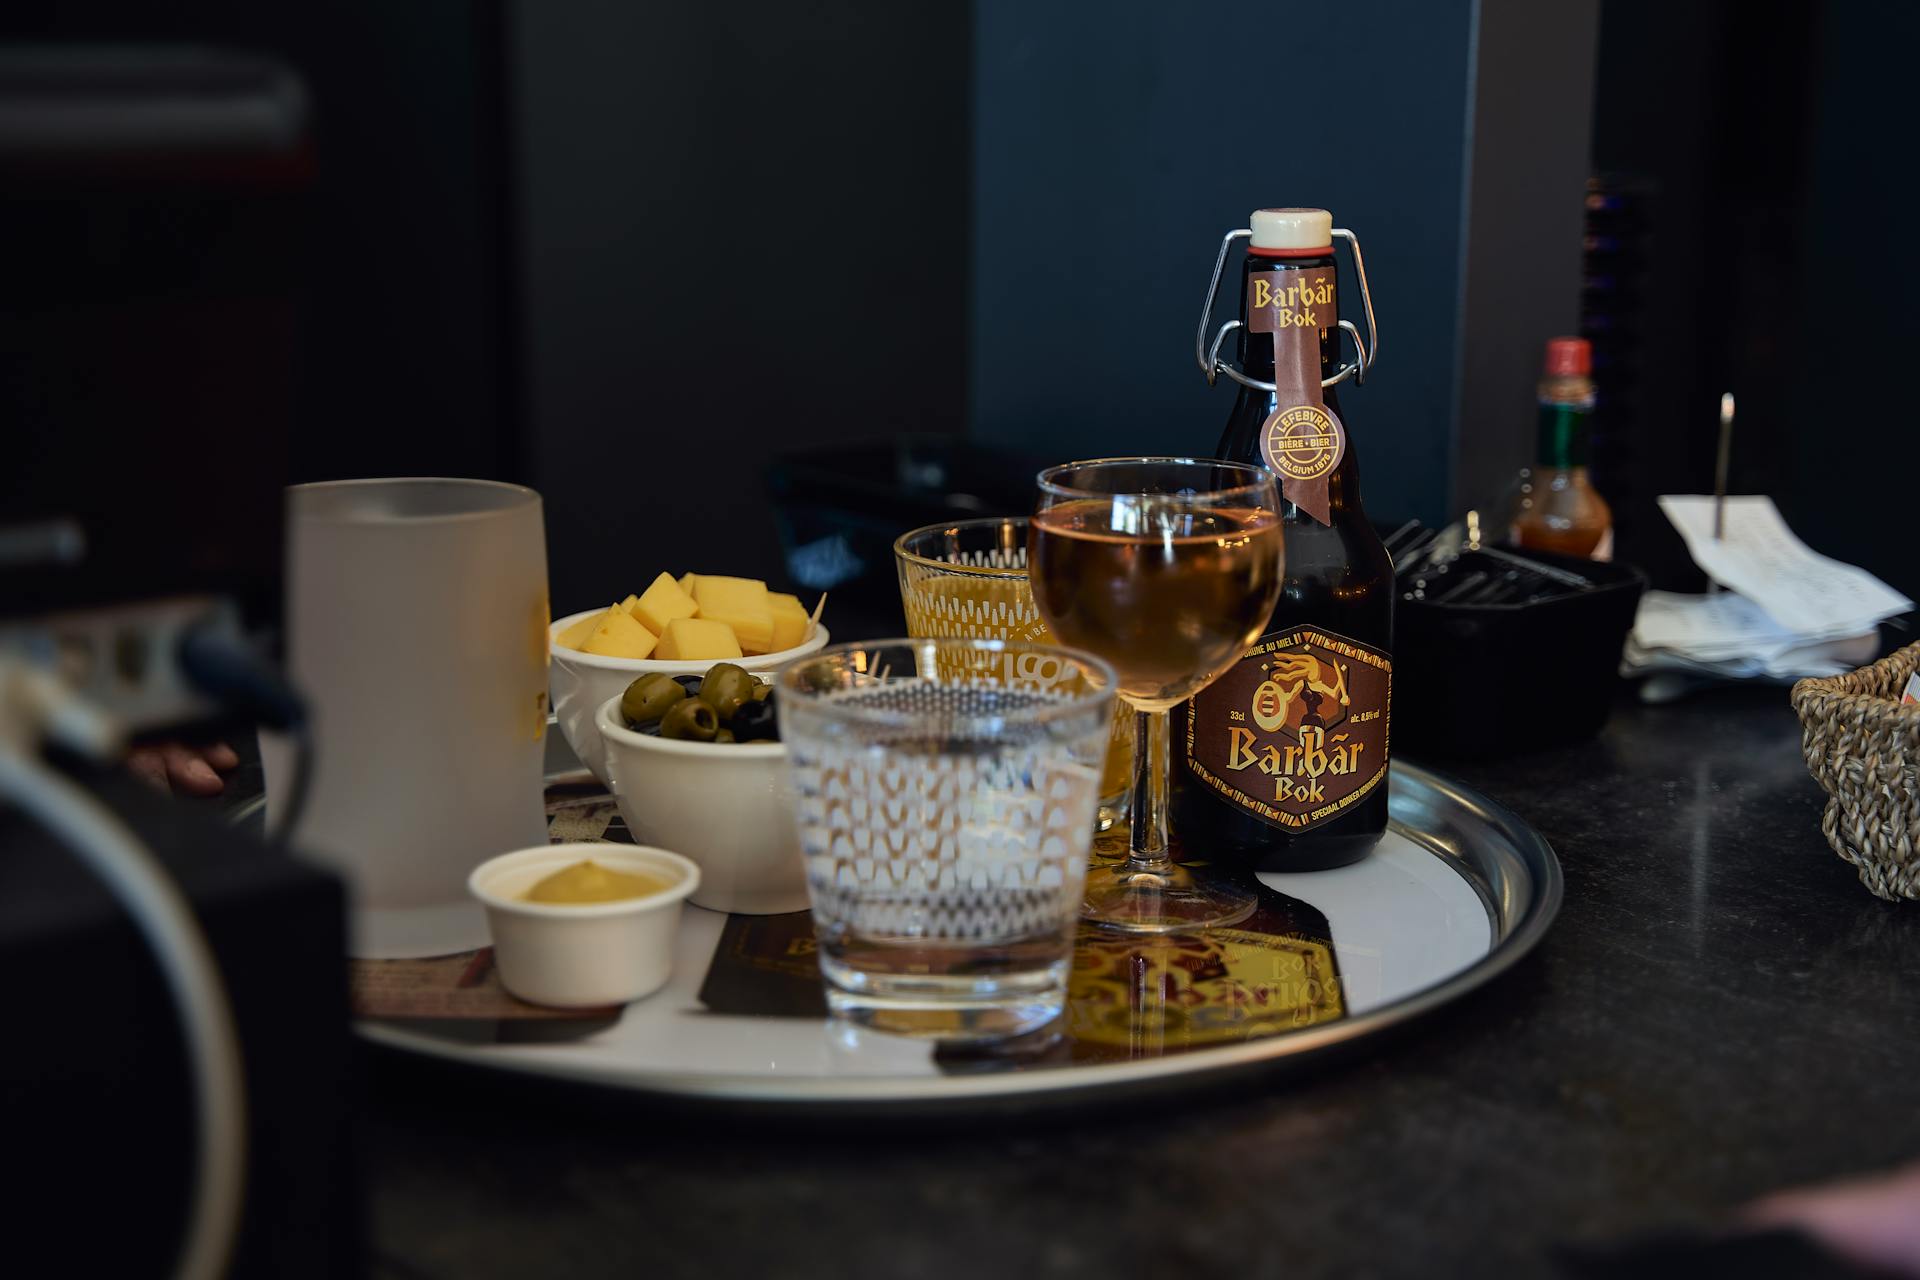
{"type": "Point", "coordinates": [1150, 842]}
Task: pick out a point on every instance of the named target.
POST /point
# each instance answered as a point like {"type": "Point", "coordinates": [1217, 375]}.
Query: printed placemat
{"type": "Point", "coordinates": [1128, 997]}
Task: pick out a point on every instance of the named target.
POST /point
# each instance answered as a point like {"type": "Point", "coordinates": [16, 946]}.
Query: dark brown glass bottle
{"type": "Point", "coordinates": [1282, 762]}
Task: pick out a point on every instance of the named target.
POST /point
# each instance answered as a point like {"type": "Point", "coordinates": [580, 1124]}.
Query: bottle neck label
{"type": "Point", "coordinates": [1563, 434]}
{"type": "Point", "coordinates": [1302, 440]}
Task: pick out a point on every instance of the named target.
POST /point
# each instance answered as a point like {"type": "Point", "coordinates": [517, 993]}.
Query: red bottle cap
{"type": "Point", "coordinates": [1569, 357]}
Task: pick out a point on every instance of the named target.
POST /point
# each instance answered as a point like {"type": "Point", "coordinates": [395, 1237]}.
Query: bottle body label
{"type": "Point", "coordinates": [1302, 440]}
{"type": "Point", "coordinates": [1296, 733]}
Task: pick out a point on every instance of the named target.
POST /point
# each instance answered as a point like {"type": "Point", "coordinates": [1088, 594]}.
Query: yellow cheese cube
{"type": "Point", "coordinates": [722, 591]}
{"type": "Point", "coordinates": [662, 603]}
{"type": "Point", "coordinates": [686, 582]}
{"type": "Point", "coordinates": [628, 603]}
{"type": "Point", "coordinates": [791, 621]}
{"type": "Point", "coordinates": [619, 636]}
{"type": "Point", "coordinates": [690, 638]}
{"type": "Point", "coordinates": [741, 603]}
{"type": "Point", "coordinates": [575, 636]}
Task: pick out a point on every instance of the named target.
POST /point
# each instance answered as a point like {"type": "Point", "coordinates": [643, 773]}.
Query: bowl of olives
{"type": "Point", "coordinates": [696, 765]}
{"type": "Point", "coordinates": [580, 682]}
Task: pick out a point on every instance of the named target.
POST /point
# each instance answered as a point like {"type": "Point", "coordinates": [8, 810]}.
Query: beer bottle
{"type": "Point", "coordinates": [1283, 760]}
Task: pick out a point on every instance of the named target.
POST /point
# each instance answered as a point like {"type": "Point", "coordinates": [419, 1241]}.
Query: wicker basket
{"type": "Point", "coordinates": [1864, 748]}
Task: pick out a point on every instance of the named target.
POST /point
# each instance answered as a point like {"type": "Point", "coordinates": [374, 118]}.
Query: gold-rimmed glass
{"type": "Point", "coordinates": [968, 579]}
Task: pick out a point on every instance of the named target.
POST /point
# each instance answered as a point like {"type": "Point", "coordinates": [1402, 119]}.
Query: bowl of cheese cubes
{"type": "Point", "coordinates": [677, 626]}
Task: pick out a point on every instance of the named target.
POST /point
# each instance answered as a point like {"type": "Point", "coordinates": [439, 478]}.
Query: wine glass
{"type": "Point", "coordinates": [1168, 568]}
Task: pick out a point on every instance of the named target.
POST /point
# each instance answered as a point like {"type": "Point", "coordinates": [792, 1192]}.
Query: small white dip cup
{"type": "Point", "coordinates": [575, 956]}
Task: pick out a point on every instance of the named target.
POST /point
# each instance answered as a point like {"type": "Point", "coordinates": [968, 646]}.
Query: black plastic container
{"type": "Point", "coordinates": [1488, 680]}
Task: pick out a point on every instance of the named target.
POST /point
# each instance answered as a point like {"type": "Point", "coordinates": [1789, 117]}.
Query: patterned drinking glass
{"type": "Point", "coordinates": [944, 790]}
{"type": "Point", "coordinates": [969, 579]}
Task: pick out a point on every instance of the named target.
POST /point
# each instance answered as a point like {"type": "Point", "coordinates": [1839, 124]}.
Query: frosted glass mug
{"type": "Point", "coordinates": [417, 629]}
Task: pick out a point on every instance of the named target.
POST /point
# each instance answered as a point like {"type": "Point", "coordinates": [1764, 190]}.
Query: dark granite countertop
{"type": "Point", "coordinates": [1721, 1009]}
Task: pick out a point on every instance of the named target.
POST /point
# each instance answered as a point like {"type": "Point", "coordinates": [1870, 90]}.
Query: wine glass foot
{"type": "Point", "coordinates": [1136, 897]}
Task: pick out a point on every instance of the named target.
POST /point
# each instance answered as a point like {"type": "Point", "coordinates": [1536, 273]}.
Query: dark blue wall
{"type": "Point", "coordinates": [1113, 148]}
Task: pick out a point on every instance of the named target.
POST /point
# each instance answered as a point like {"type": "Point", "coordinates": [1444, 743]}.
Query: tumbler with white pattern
{"type": "Point", "coordinates": [945, 791]}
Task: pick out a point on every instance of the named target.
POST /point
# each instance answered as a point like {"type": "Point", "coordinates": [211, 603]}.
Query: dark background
{"type": "Point", "coordinates": [632, 253]}
{"type": "Point", "coordinates": [742, 233]}
{"type": "Point", "coordinates": [1761, 136]}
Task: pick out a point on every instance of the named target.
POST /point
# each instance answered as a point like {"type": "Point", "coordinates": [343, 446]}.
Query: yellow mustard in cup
{"type": "Point", "coordinates": [587, 881]}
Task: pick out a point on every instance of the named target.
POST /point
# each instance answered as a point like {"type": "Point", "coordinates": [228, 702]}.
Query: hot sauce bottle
{"type": "Point", "coordinates": [1554, 506]}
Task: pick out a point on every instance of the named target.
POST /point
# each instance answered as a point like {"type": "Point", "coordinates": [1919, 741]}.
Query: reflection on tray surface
{"type": "Point", "coordinates": [1129, 997]}
{"type": "Point", "coordinates": [1147, 997]}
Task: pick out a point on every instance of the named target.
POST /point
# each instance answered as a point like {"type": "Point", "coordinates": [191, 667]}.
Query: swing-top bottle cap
{"type": "Point", "coordinates": [1292, 231]}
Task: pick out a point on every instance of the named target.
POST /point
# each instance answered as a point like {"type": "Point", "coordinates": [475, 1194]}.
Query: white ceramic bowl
{"type": "Point", "coordinates": [726, 805]}
{"type": "Point", "coordinates": [576, 956]}
{"type": "Point", "coordinates": [580, 682]}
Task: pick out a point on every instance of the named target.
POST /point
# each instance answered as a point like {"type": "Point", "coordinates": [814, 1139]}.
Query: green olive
{"type": "Point", "coordinates": [649, 698]}
{"type": "Point", "coordinates": [725, 735]}
{"type": "Point", "coordinates": [725, 688]}
{"type": "Point", "coordinates": [763, 691]}
{"type": "Point", "coordinates": [692, 720]}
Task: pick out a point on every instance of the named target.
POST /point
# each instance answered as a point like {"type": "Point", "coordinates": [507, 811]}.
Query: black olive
{"type": "Point", "coordinates": [690, 683]}
{"type": "Point", "coordinates": [755, 722]}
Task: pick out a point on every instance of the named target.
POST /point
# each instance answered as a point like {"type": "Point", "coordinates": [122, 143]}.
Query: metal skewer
{"type": "Point", "coordinates": [1392, 540]}
{"type": "Point", "coordinates": [1565, 577]}
{"type": "Point", "coordinates": [1720, 466]}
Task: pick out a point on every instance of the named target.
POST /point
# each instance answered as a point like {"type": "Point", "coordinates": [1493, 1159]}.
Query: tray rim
{"type": "Point", "coordinates": [1513, 939]}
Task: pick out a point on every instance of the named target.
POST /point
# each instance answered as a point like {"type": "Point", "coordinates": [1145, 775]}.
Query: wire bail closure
{"type": "Point", "coordinates": [1208, 355]}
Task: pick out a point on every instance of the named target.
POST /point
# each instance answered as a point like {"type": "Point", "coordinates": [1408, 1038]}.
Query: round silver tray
{"type": "Point", "coordinates": [1451, 859]}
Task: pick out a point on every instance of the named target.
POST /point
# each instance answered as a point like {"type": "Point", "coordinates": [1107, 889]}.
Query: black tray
{"type": "Point", "coordinates": [1493, 679]}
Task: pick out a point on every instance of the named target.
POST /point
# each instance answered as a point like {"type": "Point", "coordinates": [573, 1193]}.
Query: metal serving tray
{"type": "Point", "coordinates": [1458, 891]}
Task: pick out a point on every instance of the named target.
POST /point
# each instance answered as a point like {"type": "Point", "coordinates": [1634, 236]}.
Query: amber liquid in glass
{"type": "Point", "coordinates": [1170, 604]}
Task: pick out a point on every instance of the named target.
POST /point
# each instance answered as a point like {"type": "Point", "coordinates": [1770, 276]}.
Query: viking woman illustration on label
{"type": "Point", "coordinates": [1296, 693]}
